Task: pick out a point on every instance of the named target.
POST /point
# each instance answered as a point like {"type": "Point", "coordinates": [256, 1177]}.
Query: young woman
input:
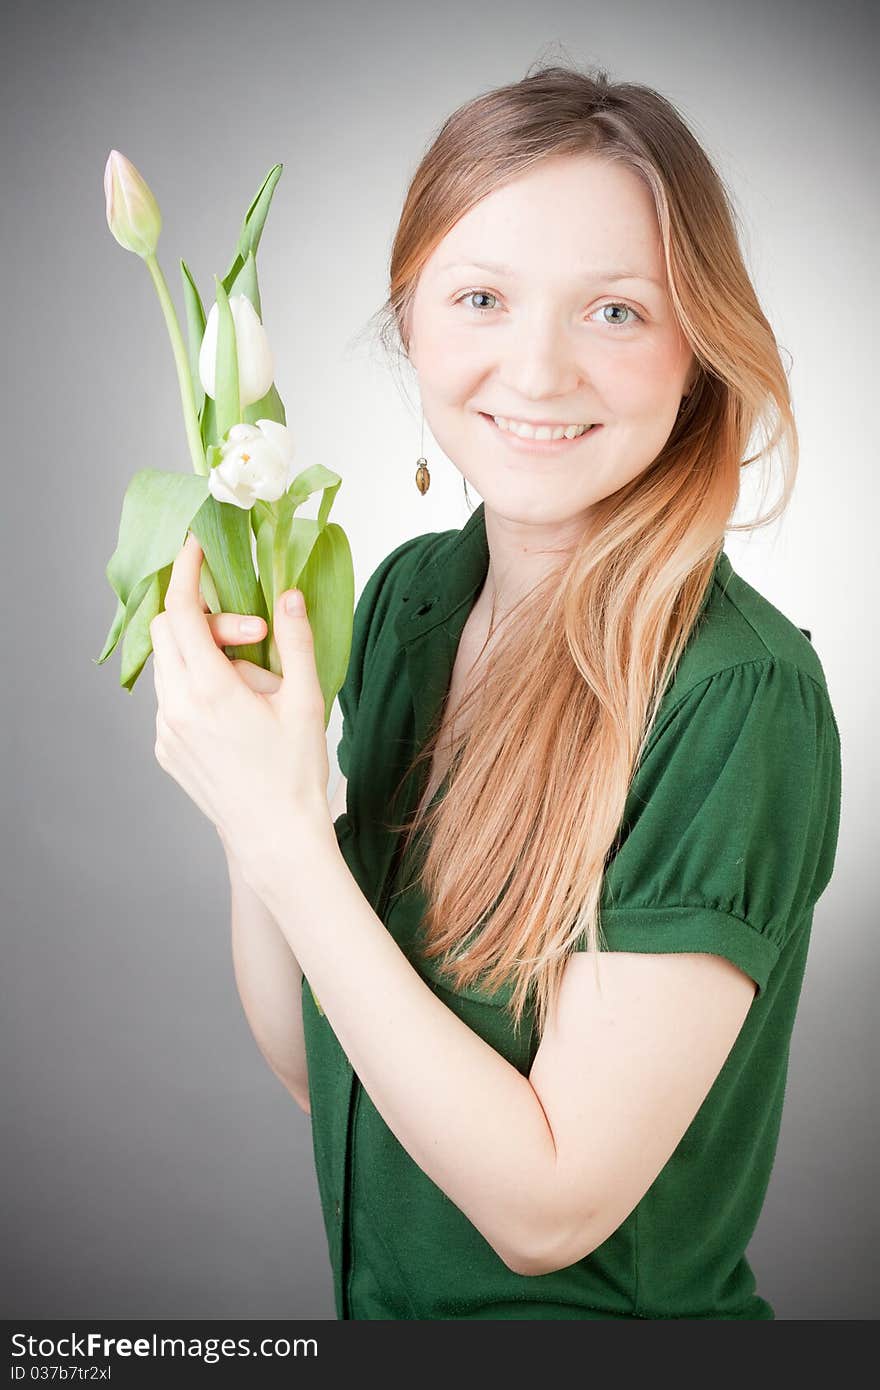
{"type": "Point", "coordinates": [544, 1032]}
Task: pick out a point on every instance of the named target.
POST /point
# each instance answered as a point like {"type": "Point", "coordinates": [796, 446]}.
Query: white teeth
{"type": "Point", "coordinates": [525, 431]}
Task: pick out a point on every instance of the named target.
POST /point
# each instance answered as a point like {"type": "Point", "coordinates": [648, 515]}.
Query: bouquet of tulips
{"type": "Point", "coordinates": [242, 497]}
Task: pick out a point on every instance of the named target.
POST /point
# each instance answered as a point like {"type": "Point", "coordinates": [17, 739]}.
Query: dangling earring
{"type": "Point", "coordinates": [423, 477]}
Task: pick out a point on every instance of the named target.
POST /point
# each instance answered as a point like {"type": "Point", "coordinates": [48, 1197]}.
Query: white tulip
{"type": "Point", "coordinates": [256, 462]}
{"type": "Point", "coordinates": [256, 367]}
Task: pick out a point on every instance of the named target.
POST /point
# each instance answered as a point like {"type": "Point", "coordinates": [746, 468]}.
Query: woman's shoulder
{"type": "Point", "coordinates": [739, 627]}
{"type": "Point", "coordinates": [735, 803]}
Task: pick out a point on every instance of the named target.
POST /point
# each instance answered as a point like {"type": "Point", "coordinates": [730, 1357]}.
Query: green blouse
{"type": "Point", "coordinates": [729, 838]}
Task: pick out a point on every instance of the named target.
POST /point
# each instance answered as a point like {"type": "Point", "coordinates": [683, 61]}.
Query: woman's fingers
{"type": "Point", "coordinates": [227, 629]}
{"type": "Point", "coordinates": [257, 677]}
{"type": "Point", "coordinates": [227, 632]}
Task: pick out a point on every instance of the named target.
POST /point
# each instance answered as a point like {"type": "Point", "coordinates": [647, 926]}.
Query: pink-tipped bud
{"type": "Point", "coordinates": [133, 214]}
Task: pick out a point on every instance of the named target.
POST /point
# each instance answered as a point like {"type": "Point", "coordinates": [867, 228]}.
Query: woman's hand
{"type": "Point", "coordinates": [247, 746]}
{"type": "Point", "coordinates": [226, 630]}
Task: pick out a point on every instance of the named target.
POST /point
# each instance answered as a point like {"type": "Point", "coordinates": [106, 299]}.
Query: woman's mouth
{"type": "Point", "coordinates": [525, 445]}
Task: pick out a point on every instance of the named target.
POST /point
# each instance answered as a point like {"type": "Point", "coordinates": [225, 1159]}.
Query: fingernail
{"type": "Point", "coordinates": [294, 603]}
{"type": "Point", "coordinates": [251, 626]}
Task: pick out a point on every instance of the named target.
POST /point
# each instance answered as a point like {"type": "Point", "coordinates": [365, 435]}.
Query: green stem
{"type": "Point", "coordinates": [184, 377]}
{"type": "Point", "coordinates": [188, 401]}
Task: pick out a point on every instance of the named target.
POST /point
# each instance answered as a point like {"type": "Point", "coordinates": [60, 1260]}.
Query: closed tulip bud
{"type": "Point", "coordinates": [133, 214]}
{"type": "Point", "coordinates": [256, 366]}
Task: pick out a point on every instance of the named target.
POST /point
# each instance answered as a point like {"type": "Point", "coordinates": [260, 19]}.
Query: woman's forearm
{"type": "Point", "coordinates": [470, 1120]}
{"type": "Point", "coordinates": [269, 981]}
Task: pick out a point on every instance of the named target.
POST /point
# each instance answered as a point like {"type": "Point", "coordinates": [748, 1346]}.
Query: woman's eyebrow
{"type": "Point", "coordinates": [497, 268]}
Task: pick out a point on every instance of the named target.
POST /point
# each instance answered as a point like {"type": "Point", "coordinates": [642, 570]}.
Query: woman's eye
{"type": "Point", "coordinates": [615, 323]}
{"type": "Point", "coordinates": [471, 294]}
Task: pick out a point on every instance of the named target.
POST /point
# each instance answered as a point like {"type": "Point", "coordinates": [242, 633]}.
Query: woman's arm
{"type": "Point", "coordinates": [269, 978]}
{"type": "Point", "coordinates": [465, 1115]}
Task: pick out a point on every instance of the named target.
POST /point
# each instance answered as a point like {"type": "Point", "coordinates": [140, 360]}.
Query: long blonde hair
{"type": "Point", "coordinates": [519, 842]}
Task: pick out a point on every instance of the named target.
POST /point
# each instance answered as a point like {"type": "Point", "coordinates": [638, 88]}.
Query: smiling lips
{"type": "Point", "coordinates": [535, 438]}
{"type": "Point", "coordinates": [539, 429]}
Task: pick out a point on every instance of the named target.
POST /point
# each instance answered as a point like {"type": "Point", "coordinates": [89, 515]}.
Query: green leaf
{"type": "Point", "coordinates": [208, 424]}
{"type": "Point", "coordinates": [315, 556]}
{"type": "Point", "coordinates": [293, 544]}
{"type": "Point", "coordinates": [252, 228]}
{"type": "Point", "coordinates": [292, 547]}
{"type": "Point", "coordinates": [245, 283]}
{"type": "Point", "coordinates": [138, 644]}
{"type": "Point", "coordinates": [224, 533]}
{"type": "Point", "coordinates": [226, 397]}
{"type": "Point", "coordinates": [156, 511]}
{"type": "Point", "coordinates": [269, 407]}
{"type": "Point", "coordinates": [113, 635]}
{"type": "Point", "coordinates": [330, 489]}
{"type": "Point", "coordinates": [195, 332]}
{"type": "Point", "coordinates": [327, 582]}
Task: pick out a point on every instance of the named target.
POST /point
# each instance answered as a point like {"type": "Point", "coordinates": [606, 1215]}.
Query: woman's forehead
{"type": "Point", "coordinates": [587, 222]}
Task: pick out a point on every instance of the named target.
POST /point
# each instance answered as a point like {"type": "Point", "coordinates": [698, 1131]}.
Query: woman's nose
{"type": "Point", "coordinates": [541, 365]}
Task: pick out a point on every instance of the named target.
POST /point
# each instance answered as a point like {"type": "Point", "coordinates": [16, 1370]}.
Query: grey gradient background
{"type": "Point", "coordinates": [152, 1164]}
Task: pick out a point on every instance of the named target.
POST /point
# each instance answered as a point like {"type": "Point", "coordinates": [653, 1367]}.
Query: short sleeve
{"type": "Point", "coordinates": [362, 638]}
{"type": "Point", "coordinates": [730, 829]}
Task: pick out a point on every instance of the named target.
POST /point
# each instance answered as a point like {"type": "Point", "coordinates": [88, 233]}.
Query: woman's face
{"type": "Point", "coordinates": [577, 328]}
